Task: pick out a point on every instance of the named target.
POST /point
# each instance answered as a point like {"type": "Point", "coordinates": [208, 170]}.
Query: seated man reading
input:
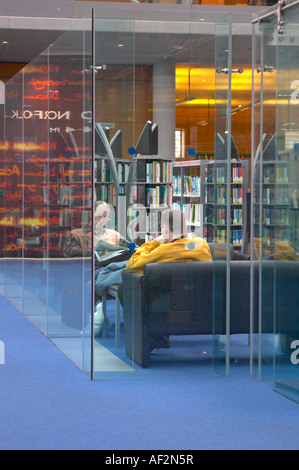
{"type": "Point", "coordinates": [172, 245]}
{"type": "Point", "coordinates": [79, 241]}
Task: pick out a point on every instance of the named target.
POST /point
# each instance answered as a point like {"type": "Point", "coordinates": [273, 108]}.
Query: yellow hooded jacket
{"type": "Point", "coordinates": [185, 249]}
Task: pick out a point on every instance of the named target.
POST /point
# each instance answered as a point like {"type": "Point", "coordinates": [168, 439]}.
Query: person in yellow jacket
{"type": "Point", "coordinates": [172, 245]}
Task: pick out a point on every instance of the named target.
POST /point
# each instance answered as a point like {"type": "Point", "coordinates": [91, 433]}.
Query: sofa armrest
{"type": "Point", "coordinates": [137, 338]}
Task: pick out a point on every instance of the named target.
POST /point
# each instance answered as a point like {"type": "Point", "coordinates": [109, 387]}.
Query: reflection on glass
{"type": "Point", "coordinates": [114, 135]}
{"type": "Point", "coordinates": [276, 202]}
{"type": "Point", "coordinates": [47, 156]}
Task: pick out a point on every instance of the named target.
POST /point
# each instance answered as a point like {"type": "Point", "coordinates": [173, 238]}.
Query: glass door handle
{"type": "Point", "coordinates": [267, 68]}
{"type": "Point", "coordinates": [226, 70]}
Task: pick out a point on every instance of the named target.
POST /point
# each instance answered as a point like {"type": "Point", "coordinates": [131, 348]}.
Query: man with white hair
{"type": "Point", "coordinates": [101, 219]}
{"type": "Point", "coordinates": [79, 242]}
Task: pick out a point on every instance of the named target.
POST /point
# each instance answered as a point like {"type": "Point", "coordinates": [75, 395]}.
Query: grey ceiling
{"type": "Point", "coordinates": [155, 39]}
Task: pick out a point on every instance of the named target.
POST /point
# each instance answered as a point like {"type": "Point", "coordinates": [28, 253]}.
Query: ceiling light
{"type": "Point", "coordinates": [184, 100]}
{"type": "Point", "coordinates": [203, 123]}
{"type": "Point", "coordinates": [5, 43]}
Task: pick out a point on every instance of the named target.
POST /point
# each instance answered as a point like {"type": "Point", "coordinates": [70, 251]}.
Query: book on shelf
{"type": "Point", "coordinates": [221, 217]}
{"type": "Point", "coordinates": [140, 171]}
{"type": "Point", "coordinates": [220, 194]}
{"type": "Point", "coordinates": [237, 174]}
{"type": "Point", "coordinates": [209, 174]}
{"type": "Point", "coordinates": [282, 174]}
{"type": "Point", "coordinates": [220, 175]}
{"type": "Point", "coordinates": [176, 186]}
{"type": "Point", "coordinates": [237, 216]}
{"type": "Point", "coordinates": [192, 185]}
{"type": "Point", "coordinates": [122, 172]}
{"type": "Point", "coordinates": [105, 193]}
{"type": "Point", "coordinates": [237, 195]}
{"type": "Point", "coordinates": [140, 193]}
{"type": "Point", "coordinates": [237, 237]}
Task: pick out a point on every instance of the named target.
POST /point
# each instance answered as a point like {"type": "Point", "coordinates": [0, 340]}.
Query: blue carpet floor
{"type": "Point", "coordinates": [46, 403]}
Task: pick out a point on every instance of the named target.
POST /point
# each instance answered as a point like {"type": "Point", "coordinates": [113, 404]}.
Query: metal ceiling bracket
{"type": "Point", "coordinates": [280, 5]}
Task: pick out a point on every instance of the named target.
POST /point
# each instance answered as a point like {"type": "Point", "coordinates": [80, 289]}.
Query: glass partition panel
{"type": "Point", "coordinates": [219, 194]}
{"type": "Point", "coordinates": [263, 198]}
{"type": "Point", "coordinates": [47, 160]}
{"type": "Point", "coordinates": [284, 215]}
{"type": "Point", "coordinates": [69, 197]}
{"type": "Point", "coordinates": [117, 121]}
{"type": "Point", "coordinates": [135, 93]}
{"type": "Point", "coordinates": [275, 225]}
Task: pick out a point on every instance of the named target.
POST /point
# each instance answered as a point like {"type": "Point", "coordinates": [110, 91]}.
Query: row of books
{"type": "Point", "coordinates": [104, 174]}
{"type": "Point", "coordinates": [236, 217]}
{"type": "Point", "coordinates": [277, 174]}
{"type": "Point", "coordinates": [277, 195]}
{"type": "Point", "coordinates": [236, 236]}
{"type": "Point", "coordinates": [192, 185]}
{"type": "Point", "coordinates": [144, 222]}
{"type": "Point", "coordinates": [106, 193]}
{"type": "Point", "coordinates": [152, 196]}
{"type": "Point", "coordinates": [153, 171]}
{"type": "Point", "coordinates": [276, 216]}
{"type": "Point", "coordinates": [220, 177]}
{"type": "Point", "coordinates": [192, 212]}
{"type": "Point", "coordinates": [272, 235]}
{"type": "Point", "coordinates": [237, 195]}
{"type": "Point", "coordinates": [218, 195]}
{"type": "Point", "coordinates": [122, 172]}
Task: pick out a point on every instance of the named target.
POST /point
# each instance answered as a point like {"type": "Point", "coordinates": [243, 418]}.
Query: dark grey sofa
{"type": "Point", "coordinates": [178, 299]}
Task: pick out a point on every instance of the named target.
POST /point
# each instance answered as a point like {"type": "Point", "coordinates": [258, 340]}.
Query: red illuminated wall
{"type": "Point", "coordinates": [45, 179]}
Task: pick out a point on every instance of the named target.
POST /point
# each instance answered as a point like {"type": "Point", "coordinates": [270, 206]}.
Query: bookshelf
{"type": "Point", "coordinates": [186, 193]}
{"type": "Point", "coordinates": [151, 195]}
{"type": "Point", "coordinates": [214, 186]}
{"type": "Point", "coordinates": [274, 215]}
{"type": "Point", "coordinates": [104, 182]}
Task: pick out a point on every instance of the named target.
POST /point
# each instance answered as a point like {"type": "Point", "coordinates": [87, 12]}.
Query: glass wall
{"type": "Point", "coordinates": [221, 193]}
{"type": "Point", "coordinates": [46, 200]}
{"type": "Point", "coordinates": [94, 154]}
{"type": "Point", "coordinates": [115, 124]}
{"type": "Point", "coordinates": [275, 189]}
{"type": "Point", "coordinates": [146, 80]}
